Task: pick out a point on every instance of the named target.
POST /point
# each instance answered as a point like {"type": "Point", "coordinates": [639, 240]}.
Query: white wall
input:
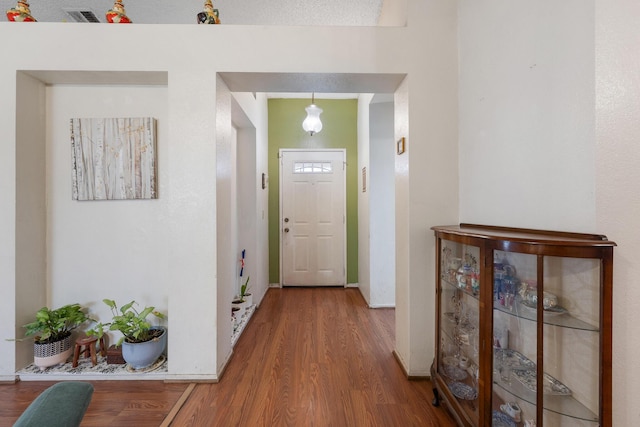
{"type": "Point", "coordinates": [526, 114]}
{"type": "Point", "coordinates": [105, 249]}
{"type": "Point", "coordinates": [193, 125]}
{"type": "Point", "coordinates": [376, 211]}
{"type": "Point", "coordinates": [617, 112]}
{"type": "Point", "coordinates": [554, 142]}
{"type": "Point", "coordinates": [426, 176]}
{"type": "Point", "coordinates": [364, 208]}
{"type": "Point", "coordinates": [252, 158]}
{"type": "Point", "coordinates": [382, 152]}
{"type": "Point", "coordinates": [247, 188]}
{"type": "Point", "coordinates": [227, 220]}
{"type": "Point", "coordinates": [193, 296]}
{"type": "Point", "coordinates": [261, 283]}
{"type": "Point", "coordinates": [401, 165]}
{"type": "Point", "coordinates": [9, 319]}
{"type": "Point", "coordinates": [393, 12]}
{"type": "Point", "coordinates": [31, 217]}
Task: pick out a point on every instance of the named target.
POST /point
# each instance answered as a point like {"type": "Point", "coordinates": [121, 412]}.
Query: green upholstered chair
{"type": "Point", "coordinates": [61, 405]}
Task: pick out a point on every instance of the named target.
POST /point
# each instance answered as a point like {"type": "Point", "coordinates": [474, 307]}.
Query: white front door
{"type": "Point", "coordinates": [312, 217]}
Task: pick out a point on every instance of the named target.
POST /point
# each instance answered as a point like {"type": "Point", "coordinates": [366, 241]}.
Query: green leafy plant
{"type": "Point", "coordinates": [130, 322]}
{"type": "Point", "coordinates": [54, 325]}
{"type": "Point", "coordinates": [244, 288]}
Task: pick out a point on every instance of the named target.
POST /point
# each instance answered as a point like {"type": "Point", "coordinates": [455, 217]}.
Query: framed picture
{"type": "Point", "coordinates": [400, 146]}
{"type": "Point", "coordinates": [113, 158]}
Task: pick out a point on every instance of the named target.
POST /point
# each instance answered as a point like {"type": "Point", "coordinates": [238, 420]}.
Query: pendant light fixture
{"type": "Point", "coordinates": [312, 123]}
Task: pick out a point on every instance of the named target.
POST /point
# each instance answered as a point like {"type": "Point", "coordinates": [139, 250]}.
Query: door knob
{"type": "Point", "coordinates": [286, 220]}
{"type": "Point", "coordinates": [286, 230]}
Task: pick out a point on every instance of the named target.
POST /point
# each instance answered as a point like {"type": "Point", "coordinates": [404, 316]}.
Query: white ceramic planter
{"type": "Point", "coordinates": [248, 298]}
{"type": "Point", "coordinates": [242, 305]}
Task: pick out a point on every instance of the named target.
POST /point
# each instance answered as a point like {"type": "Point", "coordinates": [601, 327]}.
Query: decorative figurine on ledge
{"type": "Point", "coordinates": [20, 13]}
{"type": "Point", "coordinates": [117, 15]}
{"type": "Point", "coordinates": [209, 15]}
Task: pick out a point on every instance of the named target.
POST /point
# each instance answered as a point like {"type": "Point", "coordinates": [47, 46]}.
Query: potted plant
{"type": "Point", "coordinates": [142, 343]}
{"type": "Point", "coordinates": [238, 305]}
{"type": "Point", "coordinates": [52, 333]}
{"type": "Point", "coordinates": [245, 296]}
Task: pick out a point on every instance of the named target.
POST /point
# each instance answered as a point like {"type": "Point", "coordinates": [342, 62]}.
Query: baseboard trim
{"type": "Point", "coordinates": [382, 306]}
{"type": "Point", "coordinates": [406, 373]}
{"type": "Point", "coordinates": [223, 367]}
{"type": "Point", "coordinates": [190, 378]}
{"type": "Point", "coordinates": [9, 379]}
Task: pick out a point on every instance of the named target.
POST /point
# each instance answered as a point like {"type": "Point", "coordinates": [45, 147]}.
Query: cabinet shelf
{"type": "Point", "coordinates": [454, 286]}
{"type": "Point", "coordinates": [567, 406]}
{"type": "Point", "coordinates": [574, 344]}
{"type": "Point", "coordinates": [564, 320]}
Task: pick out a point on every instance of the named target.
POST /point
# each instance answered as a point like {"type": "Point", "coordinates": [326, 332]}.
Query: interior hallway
{"type": "Point", "coordinates": [314, 357]}
{"type": "Point", "coordinates": [309, 357]}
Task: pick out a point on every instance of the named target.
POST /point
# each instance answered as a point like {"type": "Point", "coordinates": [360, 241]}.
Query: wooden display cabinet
{"type": "Point", "coordinates": [517, 308]}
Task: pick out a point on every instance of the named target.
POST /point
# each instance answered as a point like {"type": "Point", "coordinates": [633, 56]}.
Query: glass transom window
{"type": "Point", "coordinates": [312, 167]}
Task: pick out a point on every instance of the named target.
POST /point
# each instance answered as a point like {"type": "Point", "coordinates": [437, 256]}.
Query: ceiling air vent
{"type": "Point", "coordinates": [77, 15]}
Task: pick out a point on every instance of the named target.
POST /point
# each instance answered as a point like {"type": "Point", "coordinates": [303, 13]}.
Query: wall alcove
{"type": "Point", "coordinates": [70, 251]}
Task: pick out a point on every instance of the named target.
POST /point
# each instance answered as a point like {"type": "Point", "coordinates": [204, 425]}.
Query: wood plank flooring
{"type": "Point", "coordinates": [114, 403]}
{"type": "Point", "coordinates": [314, 357]}
{"type": "Point", "coordinates": [309, 357]}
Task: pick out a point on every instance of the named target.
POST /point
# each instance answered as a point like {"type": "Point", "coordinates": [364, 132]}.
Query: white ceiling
{"type": "Point", "coordinates": [244, 12]}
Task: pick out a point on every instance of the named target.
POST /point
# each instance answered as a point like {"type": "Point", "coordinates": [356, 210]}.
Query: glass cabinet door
{"type": "Point", "coordinates": [571, 346]}
{"type": "Point", "coordinates": [545, 331]}
{"type": "Point", "coordinates": [515, 340]}
{"type": "Point", "coordinates": [458, 361]}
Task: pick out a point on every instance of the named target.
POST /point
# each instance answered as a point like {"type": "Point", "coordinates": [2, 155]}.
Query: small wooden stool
{"type": "Point", "coordinates": [89, 344]}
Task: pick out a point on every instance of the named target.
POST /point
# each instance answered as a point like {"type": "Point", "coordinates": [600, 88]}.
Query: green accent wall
{"type": "Point", "coordinates": [339, 130]}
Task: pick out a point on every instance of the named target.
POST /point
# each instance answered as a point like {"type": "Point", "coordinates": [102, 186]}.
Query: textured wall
{"type": "Point", "coordinates": [617, 177]}
{"type": "Point", "coordinates": [526, 114]}
{"type": "Point", "coordinates": [382, 201]}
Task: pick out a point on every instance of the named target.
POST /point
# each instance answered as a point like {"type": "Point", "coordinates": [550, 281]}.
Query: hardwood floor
{"type": "Point", "coordinates": [114, 403]}
{"type": "Point", "coordinates": [309, 357]}
{"type": "Point", "coordinates": [314, 357]}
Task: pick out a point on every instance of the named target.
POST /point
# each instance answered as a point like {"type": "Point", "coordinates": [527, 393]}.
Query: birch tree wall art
{"type": "Point", "coordinates": [113, 159]}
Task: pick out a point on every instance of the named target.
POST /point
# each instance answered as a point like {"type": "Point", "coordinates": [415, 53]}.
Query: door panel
{"type": "Point", "coordinates": [313, 218]}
